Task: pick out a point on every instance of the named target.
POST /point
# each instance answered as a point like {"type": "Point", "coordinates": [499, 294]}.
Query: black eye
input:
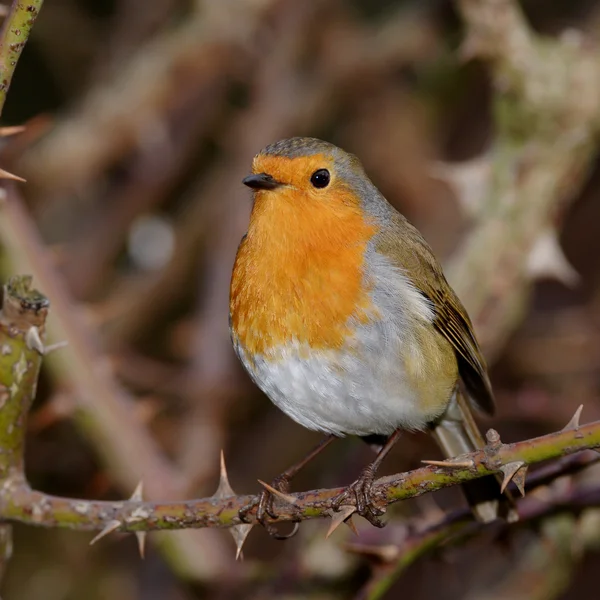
{"type": "Point", "coordinates": [320, 178]}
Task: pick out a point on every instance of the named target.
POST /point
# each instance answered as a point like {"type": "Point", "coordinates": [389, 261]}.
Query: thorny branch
{"type": "Point", "coordinates": [23, 504]}
{"type": "Point", "coordinates": [22, 326]}
{"type": "Point", "coordinates": [18, 20]}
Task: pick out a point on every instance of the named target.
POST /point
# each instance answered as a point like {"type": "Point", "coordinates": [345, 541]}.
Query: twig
{"type": "Point", "coordinates": [455, 527]}
{"type": "Point", "coordinates": [19, 503]}
{"type": "Point", "coordinates": [13, 37]}
{"type": "Point", "coordinates": [15, 402]}
{"type": "Point", "coordinates": [24, 311]}
{"type": "Point", "coordinates": [23, 322]}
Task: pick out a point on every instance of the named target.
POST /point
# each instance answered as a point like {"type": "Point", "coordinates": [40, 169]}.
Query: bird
{"type": "Point", "coordinates": [341, 314]}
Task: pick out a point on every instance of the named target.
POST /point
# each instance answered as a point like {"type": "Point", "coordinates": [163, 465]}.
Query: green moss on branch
{"type": "Point", "coordinates": [22, 327]}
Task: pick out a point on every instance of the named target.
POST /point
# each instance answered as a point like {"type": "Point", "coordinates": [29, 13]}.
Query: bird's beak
{"type": "Point", "coordinates": [261, 181]}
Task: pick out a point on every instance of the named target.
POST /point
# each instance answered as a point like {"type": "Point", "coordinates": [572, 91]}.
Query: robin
{"type": "Point", "coordinates": [342, 316]}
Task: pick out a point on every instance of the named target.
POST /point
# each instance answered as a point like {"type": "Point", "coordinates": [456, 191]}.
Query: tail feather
{"type": "Point", "coordinates": [457, 433]}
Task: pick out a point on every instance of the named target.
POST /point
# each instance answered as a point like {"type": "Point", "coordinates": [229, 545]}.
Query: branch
{"type": "Point", "coordinates": [13, 37]}
{"type": "Point", "coordinates": [15, 399]}
{"type": "Point", "coordinates": [22, 332]}
{"type": "Point", "coordinates": [20, 503]}
{"type": "Point", "coordinates": [22, 327]}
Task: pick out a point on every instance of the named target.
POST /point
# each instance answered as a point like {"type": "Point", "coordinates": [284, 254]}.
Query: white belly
{"type": "Point", "coordinates": [339, 393]}
{"type": "Point", "coordinates": [361, 389]}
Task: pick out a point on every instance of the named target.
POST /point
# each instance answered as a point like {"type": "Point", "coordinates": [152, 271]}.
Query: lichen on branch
{"type": "Point", "coordinates": [22, 331]}
{"type": "Point", "coordinates": [22, 326]}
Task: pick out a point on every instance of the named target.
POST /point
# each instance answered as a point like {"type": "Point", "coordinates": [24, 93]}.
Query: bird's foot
{"type": "Point", "coordinates": [264, 508]}
{"type": "Point", "coordinates": [362, 492]}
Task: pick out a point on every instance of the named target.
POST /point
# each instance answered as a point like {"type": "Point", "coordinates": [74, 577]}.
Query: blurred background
{"type": "Point", "coordinates": [142, 118]}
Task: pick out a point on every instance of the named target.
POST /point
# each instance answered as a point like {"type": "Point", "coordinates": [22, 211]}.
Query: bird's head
{"type": "Point", "coordinates": [308, 176]}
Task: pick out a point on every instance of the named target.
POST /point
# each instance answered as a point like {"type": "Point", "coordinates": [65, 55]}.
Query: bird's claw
{"type": "Point", "coordinates": [264, 509]}
{"type": "Point", "coordinates": [361, 489]}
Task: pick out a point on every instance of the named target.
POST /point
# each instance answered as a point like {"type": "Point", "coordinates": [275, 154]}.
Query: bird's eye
{"type": "Point", "coordinates": [320, 178]}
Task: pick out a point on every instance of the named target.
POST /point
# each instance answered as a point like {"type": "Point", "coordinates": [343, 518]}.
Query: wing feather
{"type": "Point", "coordinates": [416, 259]}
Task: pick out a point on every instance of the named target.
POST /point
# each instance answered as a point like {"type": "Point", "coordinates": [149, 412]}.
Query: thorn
{"type": "Point", "coordinates": [547, 259]}
{"type": "Point", "coordinates": [510, 471]}
{"type": "Point", "coordinates": [33, 340]}
{"type": "Point", "coordinates": [54, 347]}
{"type": "Point", "coordinates": [141, 540]}
{"type": "Point", "coordinates": [339, 517]}
{"type": "Point", "coordinates": [519, 481]}
{"type": "Point", "coordinates": [110, 527]}
{"type": "Point", "coordinates": [224, 490]}
{"type": "Point", "coordinates": [352, 526]}
{"type": "Point", "coordinates": [137, 495]}
{"type": "Point", "coordinates": [574, 422]}
{"type": "Point", "coordinates": [449, 464]}
{"type": "Point", "coordinates": [239, 533]}
{"type": "Point", "coordinates": [13, 130]}
{"type": "Point", "coordinates": [279, 494]}
{"type": "Point", "coordinates": [6, 175]}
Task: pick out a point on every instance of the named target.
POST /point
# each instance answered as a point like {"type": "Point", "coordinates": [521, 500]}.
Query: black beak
{"type": "Point", "coordinates": [261, 181]}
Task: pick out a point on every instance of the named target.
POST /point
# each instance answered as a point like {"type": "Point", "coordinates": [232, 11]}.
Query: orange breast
{"type": "Point", "coordinates": [298, 274]}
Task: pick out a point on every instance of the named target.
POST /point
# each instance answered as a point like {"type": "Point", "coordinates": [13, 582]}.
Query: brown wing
{"type": "Point", "coordinates": [451, 319]}
{"type": "Point", "coordinates": [454, 324]}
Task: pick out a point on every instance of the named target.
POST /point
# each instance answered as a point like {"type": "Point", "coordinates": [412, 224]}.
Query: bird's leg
{"type": "Point", "coordinates": [264, 503]}
{"type": "Point", "coordinates": [361, 488]}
